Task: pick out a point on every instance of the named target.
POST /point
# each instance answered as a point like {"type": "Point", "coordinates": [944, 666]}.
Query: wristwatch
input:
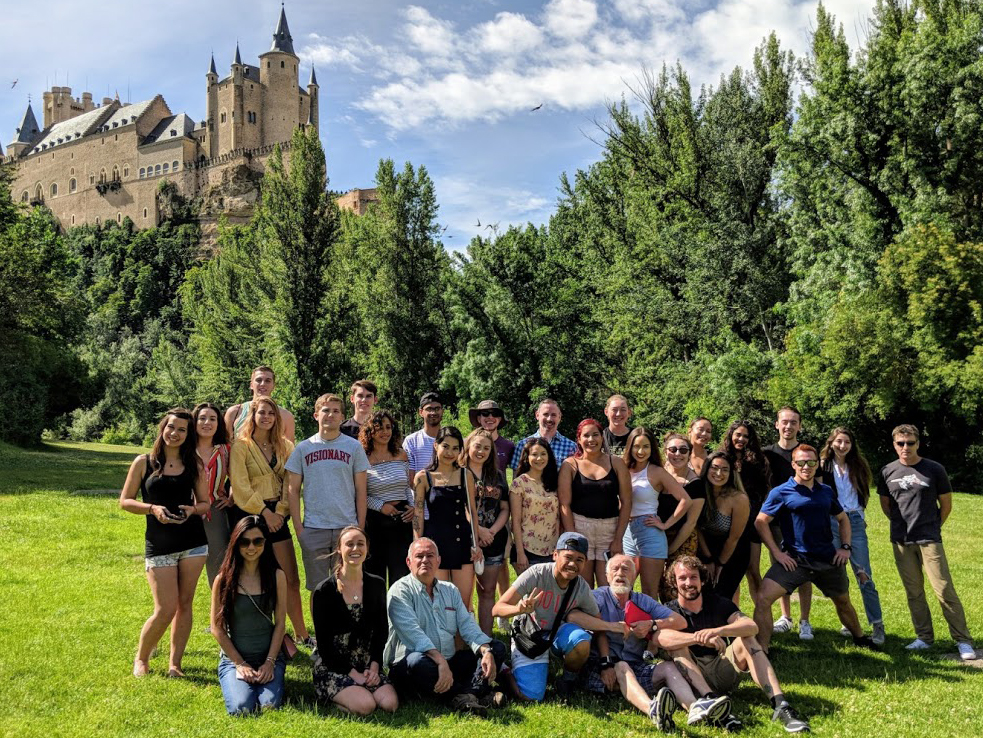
{"type": "Point", "coordinates": [846, 546]}
{"type": "Point", "coordinates": [606, 663]}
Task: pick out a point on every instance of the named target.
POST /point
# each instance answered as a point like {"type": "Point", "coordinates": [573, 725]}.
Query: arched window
{"type": "Point", "coordinates": [126, 172]}
{"type": "Point", "coordinates": [39, 194]}
{"type": "Point", "coordinates": [102, 176]}
{"type": "Point", "coordinates": [72, 185]}
{"type": "Point", "coordinates": [174, 166]}
{"type": "Point", "coordinates": [25, 196]}
{"type": "Point", "coordinates": [166, 167]}
{"type": "Point", "coordinates": [281, 65]}
{"type": "Point", "coordinates": [157, 170]}
{"type": "Point", "coordinates": [92, 179]}
{"type": "Point", "coordinates": [143, 172]}
{"type": "Point", "coordinates": [115, 173]}
{"type": "Point", "coordinates": [97, 221]}
{"type": "Point", "coordinates": [54, 189]}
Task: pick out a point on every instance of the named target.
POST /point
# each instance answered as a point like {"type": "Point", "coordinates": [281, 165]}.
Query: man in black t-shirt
{"type": "Point", "coordinates": [616, 434]}
{"type": "Point", "coordinates": [917, 498]}
{"type": "Point", "coordinates": [703, 654]}
{"type": "Point", "coordinates": [364, 396]}
{"type": "Point", "coordinates": [788, 423]}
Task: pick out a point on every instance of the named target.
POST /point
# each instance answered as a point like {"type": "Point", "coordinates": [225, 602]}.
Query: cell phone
{"type": "Point", "coordinates": [400, 505]}
{"type": "Point", "coordinates": [607, 555]}
{"type": "Point", "coordinates": [179, 515]}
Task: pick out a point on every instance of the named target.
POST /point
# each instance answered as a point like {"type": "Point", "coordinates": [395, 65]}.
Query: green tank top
{"type": "Point", "coordinates": [241, 419]}
{"type": "Point", "coordinates": [251, 629]}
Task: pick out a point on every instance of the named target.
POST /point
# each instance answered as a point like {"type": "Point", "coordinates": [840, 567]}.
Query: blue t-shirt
{"type": "Point", "coordinates": [631, 650]}
{"type": "Point", "coordinates": [803, 515]}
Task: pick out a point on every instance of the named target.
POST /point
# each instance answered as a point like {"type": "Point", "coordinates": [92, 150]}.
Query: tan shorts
{"type": "Point", "coordinates": [316, 547]}
{"type": "Point", "coordinates": [599, 533]}
{"type": "Point", "coordinates": [721, 670]}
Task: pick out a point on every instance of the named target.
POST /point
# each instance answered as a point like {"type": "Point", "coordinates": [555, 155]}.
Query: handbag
{"type": "Point", "coordinates": [288, 649]}
{"type": "Point", "coordinates": [533, 642]}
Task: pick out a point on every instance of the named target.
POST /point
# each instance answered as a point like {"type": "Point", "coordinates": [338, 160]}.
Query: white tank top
{"type": "Point", "coordinates": [644, 497]}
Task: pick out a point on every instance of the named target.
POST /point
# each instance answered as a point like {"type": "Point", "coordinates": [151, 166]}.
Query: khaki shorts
{"type": "Point", "coordinates": [599, 533]}
{"type": "Point", "coordinates": [316, 547]}
{"type": "Point", "coordinates": [721, 670]}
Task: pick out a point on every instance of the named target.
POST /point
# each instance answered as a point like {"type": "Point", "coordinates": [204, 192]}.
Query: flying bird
{"type": "Point", "coordinates": [478, 224]}
{"type": "Point", "coordinates": [15, 83]}
{"type": "Point", "coordinates": [536, 108]}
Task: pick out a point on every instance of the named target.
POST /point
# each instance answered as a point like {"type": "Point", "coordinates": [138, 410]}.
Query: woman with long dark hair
{"type": "Point", "coordinates": [174, 497]}
{"type": "Point", "coordinates": [743, 449]}
{"type": "Point", "coordinates": [658, 503]}
{"type": "Point", "coordinates": [595, 499]}
{"type": "Point", "coordinates": [213, 450]}
{"type": "Point", "coordinates": [492, 504]}
{"type": "Point", "coordinates": [700, 434]}
{"type": "Point", "coordinates": [848, 473]}
{"type": "Point", "coordinates": [349, 612]}
{"type": "Point", "coordinates": [446, 490]}
{"type": "Point", "coordinates": [534, 505]}
{"type": "Point", "coordinates": [724, 547]}
{"type": "Point", "coordinates": [249, 602]}
{"type": "Point", "coordinates": [259, 487]}
{"type": "Point", "coordinates": [388, 522]}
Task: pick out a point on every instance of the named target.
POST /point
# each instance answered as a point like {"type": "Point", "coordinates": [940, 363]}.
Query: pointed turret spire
{"type": "Point", "coordinates": [313, 81]}
{"type": "Point", "coordinates": [28, 129]}
{"type": "Point", "coordinates": [211, 66]}
{"type": "Point", "coordinates": [282, 40]}
{"type": "Point", "coordinates": [238, 59]}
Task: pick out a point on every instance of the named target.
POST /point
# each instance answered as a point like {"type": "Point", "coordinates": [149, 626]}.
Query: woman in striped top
{"type": "Point", "coordinates": [388, 524]}
{"type": "Point", "coordinates": [213, 450]}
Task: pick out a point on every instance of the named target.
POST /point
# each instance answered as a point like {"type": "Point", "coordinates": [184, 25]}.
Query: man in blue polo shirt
{"type": "Point", "coordinates": [803, 508]}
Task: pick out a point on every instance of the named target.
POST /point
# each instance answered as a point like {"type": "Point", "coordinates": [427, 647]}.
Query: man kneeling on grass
{"type": "Point", "coordinates": [701, 650]}
{"type": "Point", "coordinates": [617, 662]}
{"type": "Point", "coordinates": [552, 605]}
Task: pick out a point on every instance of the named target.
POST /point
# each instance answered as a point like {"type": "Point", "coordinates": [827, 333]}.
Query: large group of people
{"type": "Point", "coordinates": [397, 533]}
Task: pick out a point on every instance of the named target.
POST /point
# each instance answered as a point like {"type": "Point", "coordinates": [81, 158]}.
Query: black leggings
{"type": "Point", "coordinates": [389, 543]}
{"type": "Point", "coordinates": [735, 568]}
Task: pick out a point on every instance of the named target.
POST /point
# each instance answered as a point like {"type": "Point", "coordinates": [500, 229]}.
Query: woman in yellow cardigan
{"type": "Point", "coordinates": [259, 487]}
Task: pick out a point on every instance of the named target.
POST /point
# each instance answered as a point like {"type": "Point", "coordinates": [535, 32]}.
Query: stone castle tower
{"type": "Point", "coordinates": [95, 163]}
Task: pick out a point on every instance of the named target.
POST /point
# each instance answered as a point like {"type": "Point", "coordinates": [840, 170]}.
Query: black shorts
{"type": "Point", "coordinates": [283, 534]}
{"type": "Point", "coordinates": [830, 578]}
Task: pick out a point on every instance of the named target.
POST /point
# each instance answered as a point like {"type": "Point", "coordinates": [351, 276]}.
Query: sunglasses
{"type": "Point", "coordinates": [720, 469]}
{"type": "Point", "coordinates": [677, 449]}
{"type": "Point", "coordinates": [258, 542]}
{"type": "Point", "coordinates": [489, 414]}
{"type": "Point", "coordinates": [902, 444]}
{"type": "Point", "coordinates": [803, 463]}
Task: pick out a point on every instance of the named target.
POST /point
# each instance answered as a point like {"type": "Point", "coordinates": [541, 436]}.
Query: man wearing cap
{"type": "Point", "coordinates": [537, 596]}
{"type": "Point", "coordinates": [489, 416]}
{"type": "Point", "coordinates": [548, 416]}
{"type": "Point", "coordinates": [419, 445]}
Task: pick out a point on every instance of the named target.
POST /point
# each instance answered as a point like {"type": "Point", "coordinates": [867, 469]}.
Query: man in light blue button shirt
{"type": "Point", "coordinates": [425, 614]}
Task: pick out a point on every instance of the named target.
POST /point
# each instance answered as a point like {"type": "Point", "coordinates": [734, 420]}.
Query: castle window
{"type": "Point", "coordinates": [92, 179]}
{"type": "Point", "coordinates": [143, 172]}
{"type": "Point", "coordinates": [157, 170]}
{"type": "Point", "coordinates": [145, 213]}
{"type": "Point", "coordinates": [39, 194]}
{"type": "Point", "coordinates": [119, 217]}
{"type": "Point", "coordinates": [173, 133]}
{"type": "Point", "coordinates": [174, 166]}
{"type": "Point", "coordinates": [222, 117]}
{"type": "Point", "coordinates": [73, 169]}
{"type": "Point", "coordinates": [73, 220]}
{"type": "Point", "coordinates": [166, 167]}
{"type": "Point", "coordinates": [24, 197]}
{"type": "Point", "coordinates": [97, 221]}
{"type": "Point", "coordinates": [267, 65]}
{"type": "Point", "coordinates": [102, 176]}
{"type": "Point", "coordinates": [126, 172]}
{"type": "Point", "coordinates": [115, 173]}
{"type": "Point", "coordinates": [72, 185]}
{"type": "Point", "coordinates": [54, 189]}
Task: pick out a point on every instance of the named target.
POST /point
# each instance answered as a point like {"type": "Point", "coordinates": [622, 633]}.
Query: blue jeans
{"type": "Point", "coordinates": [860, 562]}
{"type": "Point", "coordinates": [243, 698]}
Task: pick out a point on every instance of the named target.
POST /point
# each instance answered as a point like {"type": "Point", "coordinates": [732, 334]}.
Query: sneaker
{"type": "Point", "coordinates": [805, 630]}
{"type": "Point", "coordinates": [866, 642]}
{"type": "Point", "coordinates": [790, 719]}
{"type": "Point", "coordinates": [730, 723]}
{"type": "Point", "coordinates": [782, 625]}
{"type": "Point", "coordinates": [708, 708]}
{"type": "Point", "coordinates": [648, 656]}
{"type": "Point", "coordinates": [564, 688]}
{"type": "Point", "coordinates": [494, 700]}
{"type": "Point", "coordinates": [467, 704]}
{"type": "Point", "coordinates": [845, 632]}
{"type": "Point", "coordinates": [918, 645]}
{"type": "Point", "coordinates": [503, 624]}
{"type": "Point", "coordinates": [661, 709]}
{"type": "Point", "coordinates": [966, 651]}
{"type": "Point", "coordinates": [878, 635]}
{"type": "Point", "coordinates": [309, 643]}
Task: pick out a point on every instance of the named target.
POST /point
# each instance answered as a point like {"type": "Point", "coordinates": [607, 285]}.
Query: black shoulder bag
{"type": "Point", "coordinates": [533, 642]}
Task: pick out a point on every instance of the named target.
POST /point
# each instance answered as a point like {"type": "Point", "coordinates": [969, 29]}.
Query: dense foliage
{"type": "Point", "coordinates": [733, 249]}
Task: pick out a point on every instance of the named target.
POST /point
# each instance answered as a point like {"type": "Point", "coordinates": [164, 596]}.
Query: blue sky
{"type": "Point", "coordinates": [448, 84]}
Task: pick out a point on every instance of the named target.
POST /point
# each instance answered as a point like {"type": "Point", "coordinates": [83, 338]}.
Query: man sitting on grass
{"type": "Point", "coordinates": [703, 654]}
{"type": "Point", "coordinates": [616, 662]}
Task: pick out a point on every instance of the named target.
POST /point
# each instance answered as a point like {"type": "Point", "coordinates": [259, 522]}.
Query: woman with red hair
{"type": "Point", "coordinates": [595, 498]}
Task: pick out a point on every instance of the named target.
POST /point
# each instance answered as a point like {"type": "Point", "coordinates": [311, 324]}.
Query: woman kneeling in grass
{"type": "Point", "coordinates": [249, 605]}
{"type": "Point", "coordinates": [174, 497]}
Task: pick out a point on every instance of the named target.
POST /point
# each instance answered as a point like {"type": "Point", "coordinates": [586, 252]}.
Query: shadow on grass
{"type": "Point", "coordinates": [51, 466]}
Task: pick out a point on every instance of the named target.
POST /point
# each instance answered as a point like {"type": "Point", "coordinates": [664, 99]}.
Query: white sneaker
{"type": "Point", "coordinates": [782, 625]}
{"type": "Point", "coordinates": [878, 635]}
{"type": "Point", "coordinates": [503, 624]}
{"type": "Point", "coordinates": [918, 645]}
{"type": "Point", "coordinates": [805, 630]}
{"type": "Point", "coordinates": [845, 632]}
{"type": "Point", "coordinates": [966, 651]}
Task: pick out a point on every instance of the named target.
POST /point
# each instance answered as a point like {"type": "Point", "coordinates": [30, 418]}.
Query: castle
{"type": "Point", "coordinates": [96, 163]}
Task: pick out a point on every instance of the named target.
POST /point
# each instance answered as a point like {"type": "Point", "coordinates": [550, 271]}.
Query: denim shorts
{"type": "Point", "coordinates": [530, 674]}
{"type": "Point", "coordinates": [495, 560]}
{"type": "Point", "coordinates": [644, 540]}
{"type": "Point", "coordinates": [165, 560]}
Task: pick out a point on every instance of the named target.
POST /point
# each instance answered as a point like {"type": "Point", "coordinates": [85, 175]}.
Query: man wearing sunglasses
{"type": "Point", "coordinates": [803, 507]}
{"type": "Point", "coordinates": [917, 498]}
{"type": "Point", "coordinates": [490, 417]}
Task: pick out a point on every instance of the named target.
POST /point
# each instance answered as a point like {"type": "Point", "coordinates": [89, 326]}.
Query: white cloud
{"type": "Point", "coordinates": [570, 19]}
{"type": "Point", "coordinates": [428, 34]}
{"type": "Point", "coordinates": [509, 33]}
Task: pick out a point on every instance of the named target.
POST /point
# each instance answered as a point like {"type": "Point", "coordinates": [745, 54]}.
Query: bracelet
{"type": "Point", "coordinates": [271, 659]}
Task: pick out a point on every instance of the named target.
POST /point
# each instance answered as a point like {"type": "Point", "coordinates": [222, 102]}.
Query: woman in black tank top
{"type": "Point", "coordinates": [595, 499]}
{"type": "Point", "coordinates": [174, 497]}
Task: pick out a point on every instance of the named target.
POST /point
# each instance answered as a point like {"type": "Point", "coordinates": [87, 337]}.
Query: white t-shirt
{"type": "Point", "coordinates": [328, 469]}
{"type": "Point", "coordinates": [847, 495]}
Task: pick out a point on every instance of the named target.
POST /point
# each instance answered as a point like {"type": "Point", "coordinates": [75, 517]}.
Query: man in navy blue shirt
{"type": "Point", "coordinates": [803, 507]}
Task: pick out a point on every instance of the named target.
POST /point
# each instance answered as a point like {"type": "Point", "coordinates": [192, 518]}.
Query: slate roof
{"type": "Point", "coordinates": [28, 130]}
{"type": "Point", "coordinates": [127, 115]}
{"type": "Point", "coordinates": [74, 128]}
{"type": "Point", "coordinates": [282, 40]}
{"type": "Point", "coordinates": [172, 127]}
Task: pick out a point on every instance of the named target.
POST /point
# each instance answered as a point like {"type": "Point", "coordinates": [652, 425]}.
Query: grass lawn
{"type": "Point", "coordinates": [75, 597]}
